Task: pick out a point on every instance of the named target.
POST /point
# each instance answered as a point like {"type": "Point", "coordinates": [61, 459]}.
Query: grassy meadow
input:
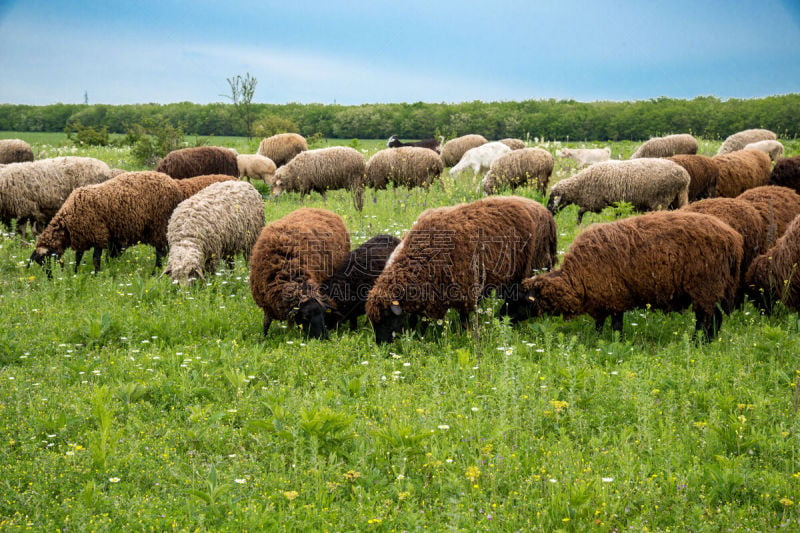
{"type": "Point", "coordinates": [130, 403]}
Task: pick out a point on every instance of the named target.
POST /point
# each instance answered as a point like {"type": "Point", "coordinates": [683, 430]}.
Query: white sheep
{"type": "Point", "coordinates": [774, 149]}
{"type": "Point", "coordinates": [587, 156]}
{"type": "Point", "coordinates": [256, 167]}
{"type": "Point", "coordinates": [480, 158]}
{"type": "Point", "coordinates": [218, 222]}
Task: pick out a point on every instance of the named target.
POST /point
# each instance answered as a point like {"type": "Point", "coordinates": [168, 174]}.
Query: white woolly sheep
{"type": "Point", "coordinates": [587, 156]}
{"type": "Point", "coordinates": [739, 140]}
{"type": "Point", "coordinates": [256, 167]}
{"type": "Point", "coordinates": [480, 158]}
{"type": "Point", "coordinates": [774, 149]}
{"type": "Point", "coordinates": [218, 222]}
{"type": "Point", "coordinates": [682, 143]}
{"type": "Point", "coordinates": [649, 184]}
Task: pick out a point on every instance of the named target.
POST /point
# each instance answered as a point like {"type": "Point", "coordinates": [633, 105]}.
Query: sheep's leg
{"type": "Point", "coordinates": [463, 317]}
{"type": "Point", "coordinates": [266, 323]}
{"type": "Point", "coordinates": [97, 253]}
{"type": "Point", "coordinates": [78, 258]}
{"type": "Point", "coordinates": [229, 262]}
{"type": "Point", "coordinates": [599, 321]}
{"type": "Point", "coordinates": [160, 253]}
{"type": "Point", "coordinates": [581, 212]}
{"type": "Point", "coordinates": [616, 322]}
{"type": "Point", "coordinates": [709, 324]}
{"type": "Point", "coordinates": [353, 323]}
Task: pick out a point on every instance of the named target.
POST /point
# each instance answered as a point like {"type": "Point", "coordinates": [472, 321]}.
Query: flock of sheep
{"type": "Point", "coordinates": [732, 230]}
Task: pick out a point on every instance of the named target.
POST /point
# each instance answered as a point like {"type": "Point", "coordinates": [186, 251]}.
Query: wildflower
{"type": "Point", "coordinates": [351, 475]}
{"type": "Point", "coordinates": [559, 405]}
{"type": "Point", "coordinates": [472, 473]}
{"type": "Point", "coordinates": [290, 494]}
{"type": "Point", "coordinates": [240, 481]}
{"type": "Point", "coordinates": [114, 479]}
{"type": "Point", "coordinates": [444, 427]}
{"type": "Point", "coordinates": [786, 501]}
{"type": "Point", "coordinates": [607, 479]}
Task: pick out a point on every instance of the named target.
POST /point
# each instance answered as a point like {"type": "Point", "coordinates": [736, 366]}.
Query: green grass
{"type": "Point", "coordinates": [131, 403]}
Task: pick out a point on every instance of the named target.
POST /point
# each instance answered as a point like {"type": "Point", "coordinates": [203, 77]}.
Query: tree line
{"type": "Point", "coordinates": [705, 116]}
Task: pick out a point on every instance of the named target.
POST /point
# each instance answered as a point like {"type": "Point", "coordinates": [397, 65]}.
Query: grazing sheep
{"type": "Point", "coordinates": [739, 140]}
{"type": "Point", "coordinates": [667, 260]}
{"type": "Point", "coordinates": [256, 167]}
{"type": "Point", "coordinates": [454, 149]}
{"type": "Point", "coordinates": [514, 144]}
{"type": "Point", "coordinates": [291, 258]}
{"type": "Point", "coordinates": [703, 173]}
{"type": "Point", "coordinates": [430, 143]}
{"type": "Point", "coordinates": [741, 170]}
{"type": "Point", "coordinates": [775, 275]}
{"type": "Point", "coordinates": [337, 167]}
{"type": "Point", "coordinates": [682, 143]}
{"type": "Point", "coordinates": [453, 256]}
{"type": "Point", "coordinates": [15, 151]}
{"type": "Point", "coordinates": [32, 192]}
{"type": "Point", "coordinates": [587, 156]}
{"type": "Point", "coordinates": [519, 167]}
{"type": "Point", "coordinates": [777, 206]}
{"type": "Point", "coordinates": [192, 186]}
{"type": "Point", "coordinates": [786, 173]}
{"type": "Point", "coordinates": [773, 149]}
{"type": "Point", "coordinates": [218, 222]}
{"type": "Point", "coordinates": [347, 289]}
{"type": "Point", "coordinates": [406, 166]}
{"type": "Point", "coordinates": [480, 158]}
{"type": "Point", "coordinates": [741, 216]}
{"type": "Point", "coordinates": [199, 161]}
{"type": "Point", "coordinates": [648, 184]}
{"type": "Point", "coordinates": [283, 147]}
{"type": "Point", "coordinates": [123, 211]}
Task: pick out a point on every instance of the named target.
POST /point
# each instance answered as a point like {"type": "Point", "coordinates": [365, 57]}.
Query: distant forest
{"type": "Point", "coordinates": [707, 117]}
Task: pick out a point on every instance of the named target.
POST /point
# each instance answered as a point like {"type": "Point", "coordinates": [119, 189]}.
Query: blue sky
{"type": "Point", "coordinates": [354, 52]}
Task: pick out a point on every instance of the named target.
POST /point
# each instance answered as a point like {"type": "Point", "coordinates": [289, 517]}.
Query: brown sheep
{"type": "Point", "coordinates": [191, 186]}
{"type": "Point", "coordinates": [519, 167]}
{"type": "Point", "coordinates": [777, 206]}
{"type": "Point", "coordinates": [123, 211]}
{"type": "Point", "coordinates": [407, 166]}
{"type": "Point", "coordinates": [453, 256]}
{"type": "Point", "coordinates": [667, 260]}
{"type": "Point", "coordinates": [775, 276]}
{"type": "Point", "coordinates": [199, 161]}
{"type": "Point", "coordinates": [15, 151]}
{"type": "Point", "coordinates": [291, 258]}
{"type": "Point", "coordinates": [514, 144]}
{"type": "Point", "coordinates": [454, 149]}
{"type": "Point", "coordinates": [681, 143]}
{"type": "Point", "coordinates": [786, 173]}
{"type": "Point", "coordinates": [283, 147]}
{"type": "Point", "coordinates": [703, 173]}
{"type": "Point", "coordinates": [741, 170]}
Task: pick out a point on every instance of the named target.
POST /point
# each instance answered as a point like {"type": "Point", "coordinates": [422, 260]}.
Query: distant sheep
{"type": "Point", "coordinates": [430, 143]}
{"type": "Point", "coordinates": [453, 256]}
{"type": "Point", "coordinates": [682, 143]}
{"type": "Point", "coordinates": [454, 149]}
{"type": "Point", "coordinates": [663, 260]}
{"type": "Point", "coordinates": [283, 147]}
{"type": "Point", "coordinates": [586, 156]}
{"type": "Point", "coordinates": [291, 258]}
{"type": "Point", "coordinates": [405, 166]}
{"type": "Point", "coordinates": [648, 184]}
{"type": "Point", "coordinates": [739, 140]}
{"type": "Point", "coordinates": [15, 151]}
{"type": "Point", "coordinates": [218, 222]}
{"type": "Point", "coordinates": [123, 211]}
{"type": "Point", "coordinates": [199, 161]}
{"type": "Point", "coordinates": [778, 206]}
{"type": "Point", "coordinates": [191, 186]}
{"type": "Point", "coordinates": [480, 158]}
{"type": "Point", "coordinates": [741, 170]}
{"type": "Point", "coordinates": [775, 275]}
{"type": "Point", "coordinates": [256, 167]}
{"type": "Point", "coordinates": [514, 144]}
{"type": "Point", "coordinates": [34, 191]}
{"type": "Point", "coordinates": [347, 289]}
{"type": "Point", "coordinates": [519, 167]}
{"type": "Point", "coordinates": [786, 173]}
{"type": "Point", "coordinates": [773, 149]}
{"type": "Point", "coordinates": [703, 172]}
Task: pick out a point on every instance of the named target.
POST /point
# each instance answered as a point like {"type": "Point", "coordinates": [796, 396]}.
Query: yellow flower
{"type": "Point", "coordinates": [352, 475]}
{"type": "Point", "coordinates": [291, 494]}
{"type": "Point", "coordinates": [786, 501]}
{"type": "Point", "coordinates": [472, 473]}
{"type": "Point", "coordinates": [559, 405]}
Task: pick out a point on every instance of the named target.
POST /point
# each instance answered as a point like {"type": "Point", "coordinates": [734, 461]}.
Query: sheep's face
{"type": "Point", "coordinates": [554, 204]}
{"type": "Point", "coordinates": [185, 276]}
{"type": "Point", "coordinates": [392, 142]}
{"type": "Point", "coordinates": [564, 152]}
{"type": "Point", "coordinates": [548, 294]}
{"type": "Point", "coordinates": [390, 324]}
{"type": "Point", "coordinates": [43, 253]}
{"type": "Point", "coordinates": [310, 315]}
{"type": "Point", "coordinates": [277, 186]}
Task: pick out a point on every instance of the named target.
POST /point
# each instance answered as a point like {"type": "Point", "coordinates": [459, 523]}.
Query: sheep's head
{"type": "Point", "coordinates": [310, 315]}
{"type": "Point", "coordinates": [42, 253]}
{"type": "Point", "coordinates": [548, 294]}
{"type": "Point", "coordinates": [391, 322]}
{"type": "Point", "coordinates": [554, 204]}
{"type": "Point", "coordinates": [184, 276]}
{"type": "Point", "coordinates": [51, 243]}
{"type": "Point", "coordinates": [393, 142]}
{"type": "Point", "coordinates": [564, 152]}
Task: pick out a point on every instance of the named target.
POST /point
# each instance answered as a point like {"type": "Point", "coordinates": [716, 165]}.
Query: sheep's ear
{"type": "Point", "coordinates": [395, 308]}
{"type": "Point", "coordinates": [531, 298]}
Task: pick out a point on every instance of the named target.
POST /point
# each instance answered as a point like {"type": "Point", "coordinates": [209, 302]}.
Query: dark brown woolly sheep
{"type": "Point", "coordinates": [786, 173]}
{"type": "Point", "coordinates": [199, 161]}
{"type": "Point", "coordinates": [777, 206]}
{"type": "Point", "coordinates": [775, 275]}
{"type": "Point", "coordinates": [407, 166]}
{"type": "Point", "coordinates": [347, 289]}
{"type": "Point", "coordinates": [191, 186]}
{"type": "Point", "coordinates": [454, 149]}
{"type": "Point", "coordinates": [703, 173]}
{"type": "Point", "coordinates": [291, 258]}
{"type": "Point", "coordinates": [283, 147]}
{"type": "Point", "coordinates": [667, 260]}
{"type": "Point", "coordinates": [453, 256]}
{"type": "Point", "coordinates": [741, 170]}
{"type": "Point", "coordinates": [131, 208]}
{"type": "Point", "coordinates": [15, 151]}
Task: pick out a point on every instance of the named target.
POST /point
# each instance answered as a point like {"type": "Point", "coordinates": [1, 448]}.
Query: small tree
{"type": "Point", "coordinates": [242, 90]}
